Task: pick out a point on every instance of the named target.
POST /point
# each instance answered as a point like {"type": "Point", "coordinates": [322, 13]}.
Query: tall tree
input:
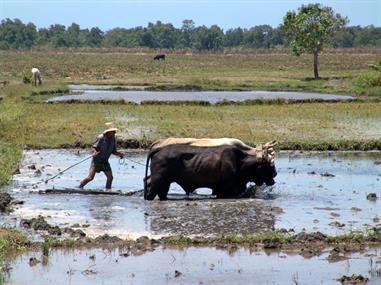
{"type": "Point", "coordinates": [147, 38]}
{"type": "Point", "coordinates": [72, 35]}
{"type": "Point", "coordinates": [310, 28]}
{"type": "Point", "coordinates": [233, 37]}
{"type": "Point", "coordinates": [115, 38]}
{"type": "Point", "coordinates": [343, 38]}
{"type": "Point", "coordinates": [211, 39]}
{"type": "Point", "coordinates": [94, 37]}
{"type": "Point", "coordinates": [57, 36]}
{"type": "Point", "coordinates": [186, 33]}
{"type": "Point", "coordinates": [14, 34]}
{"type": "Point", "coordinates": [368, 36]}
{"type": "Point", "coordinates": [258, 36]}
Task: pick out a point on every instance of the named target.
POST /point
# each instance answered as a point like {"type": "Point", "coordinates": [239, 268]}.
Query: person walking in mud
{"type": "Point", "coordinates": [102, 149]}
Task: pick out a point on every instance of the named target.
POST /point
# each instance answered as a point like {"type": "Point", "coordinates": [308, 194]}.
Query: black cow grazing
{"type": "Point", "coordinates": [224, 165]}
{"type": "Point", "coordinates": [159, 57]}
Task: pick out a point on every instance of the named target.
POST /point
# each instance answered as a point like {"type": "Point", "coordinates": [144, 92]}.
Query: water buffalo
{"type": "Point", "coordinates": [224, 165]}
{"type": "Point", "coordinates": [159, 57]}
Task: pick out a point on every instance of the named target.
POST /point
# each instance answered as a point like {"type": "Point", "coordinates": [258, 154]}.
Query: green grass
{"type": "Point", "coordinates": [342, 125]}
{"type": "Point", "coordinates": [14, 129]}
{"type": "Point", "coordinates": [295, 126]}
{"type": "Point", "coordinates": [249, 70]}
{"type": "Point", "coordinates": [25, 91]}
{"type": "Point", "coordinates": [11, 239]}
{"type": "Point", "coordinates": [314, 124]}
{"type": "Point", "coordinates": [9, 158]}
{"type": "Point", "coordinates": [372, 236]}
{"type": "Point", "coordinates": [11, 242]}
{"type": "Point", "coordinates": [27, 122]}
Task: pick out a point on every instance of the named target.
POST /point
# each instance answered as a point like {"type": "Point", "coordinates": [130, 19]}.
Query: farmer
{"type": "Point", "coordinates": [36, 76]}
{"type": "Point", "coordinates": [101, 151]}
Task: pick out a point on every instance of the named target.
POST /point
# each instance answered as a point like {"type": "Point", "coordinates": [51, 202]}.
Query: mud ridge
{"type": "Point", "coordinates": [144, 144]}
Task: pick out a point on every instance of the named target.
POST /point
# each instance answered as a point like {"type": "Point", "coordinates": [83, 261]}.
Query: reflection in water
{"type": "Point", "coordinates": [193, 266]}
{"type": "Point", "coordinates": [90, 94]}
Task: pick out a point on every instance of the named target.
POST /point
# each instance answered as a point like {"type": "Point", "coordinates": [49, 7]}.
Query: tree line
{"type": "Point", "coordinates": [14, 34]}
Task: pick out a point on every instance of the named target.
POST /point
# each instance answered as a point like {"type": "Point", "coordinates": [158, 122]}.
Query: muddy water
{"type": "Point", "coordinates": [189, 266]}
{"type": "Point", "coordinates": [95, 93]}
{"type": "Point", "coordinates": [302, 198]}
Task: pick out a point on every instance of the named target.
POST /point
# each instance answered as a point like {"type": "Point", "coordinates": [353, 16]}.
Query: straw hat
{"type": "Point", "coordinates": [109, 127]}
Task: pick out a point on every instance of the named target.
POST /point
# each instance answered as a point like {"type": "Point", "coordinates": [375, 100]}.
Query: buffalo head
{"type": "Point", "coordinates": [265, 174]}
{"type": "Point", "coordinates": [265, 170]}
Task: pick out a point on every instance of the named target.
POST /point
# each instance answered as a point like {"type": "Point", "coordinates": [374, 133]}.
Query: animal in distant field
{"type": "Point", "coordinates": [4, 83]}
{"type": "Point", "coordinates": [159, 57]}
{"type": "Point", "coordinates": [223, 165]}
{"type": "Point", "coordinates": [36, 76]}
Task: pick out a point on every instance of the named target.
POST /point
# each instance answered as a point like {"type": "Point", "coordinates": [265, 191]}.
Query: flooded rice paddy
{"type": "Point", "coordinates": [193, 265]}
{"type": "Point", "coordinates": [324, 192]}
{"type": "Point", "coordinates": [137, 94]}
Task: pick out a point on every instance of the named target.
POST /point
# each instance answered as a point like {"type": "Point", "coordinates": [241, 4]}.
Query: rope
{"type": "Point", "coordinates": [122, 161]}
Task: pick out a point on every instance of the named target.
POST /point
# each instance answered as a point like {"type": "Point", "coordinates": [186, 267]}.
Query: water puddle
{"type": "Point", "coordinates": [194, 265]}
{"type": "Point", "coordinates": [324, 192]}
{"type": "Point", "coordinates": [100, 93]}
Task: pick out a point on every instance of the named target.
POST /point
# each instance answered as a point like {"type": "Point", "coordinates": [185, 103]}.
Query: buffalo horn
{"type": "Point", "coordinates": [271, 144]}
{"type": "Point", "coordinates": [259, 152]}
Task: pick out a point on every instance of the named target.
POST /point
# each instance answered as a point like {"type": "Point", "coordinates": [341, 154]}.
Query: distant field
{"type": "Point", "coordinates": [322, 126]}
{"type": "Point", "coordinates": [277, 70]}
{"type": "Point", "coordinates": [308, 126]}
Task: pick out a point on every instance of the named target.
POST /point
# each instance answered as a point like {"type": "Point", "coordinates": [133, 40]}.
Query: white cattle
{"type": "Point", "coordinates": [36, 76]}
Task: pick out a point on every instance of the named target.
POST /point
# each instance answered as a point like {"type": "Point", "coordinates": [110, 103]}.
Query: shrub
{"type": "Point", "coordinates": [376, 66]}
{"type": "Point", "coordinates": [370, 79]}
{"type": "Point", "coordinates": [26, 79]}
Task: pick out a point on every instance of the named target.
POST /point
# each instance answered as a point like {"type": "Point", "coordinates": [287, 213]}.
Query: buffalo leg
{"type": "Point", "coordinates": [157, 187]}
{"type": "Point", "coordinates": [163, 192]}
{"type": "Point", "coordinates": [224, 191]}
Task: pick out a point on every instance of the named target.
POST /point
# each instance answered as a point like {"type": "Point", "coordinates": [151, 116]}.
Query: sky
{"type": "Point", "coordinates": [132, 13]}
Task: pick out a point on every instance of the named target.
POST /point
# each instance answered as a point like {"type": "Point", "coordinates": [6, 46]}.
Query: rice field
{"type": "Point", "coordinates": [247, 70]}
{"type": "Point", "coordinates": [40, 125]}
{"type": "Point", "coordinates": [25, 123]}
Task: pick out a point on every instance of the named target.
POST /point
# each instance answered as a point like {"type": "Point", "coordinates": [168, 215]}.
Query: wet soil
{"type": "Point", "coordinates": [5, 200]}
{"type": "Point", "coordinates": [299, 201]}
{"type": "Point", "coordinates": [80, 87]}
{"type": "Point", "coordinates": [39, 224]}
{"type": "Point", "coordinates": [305, 207]}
